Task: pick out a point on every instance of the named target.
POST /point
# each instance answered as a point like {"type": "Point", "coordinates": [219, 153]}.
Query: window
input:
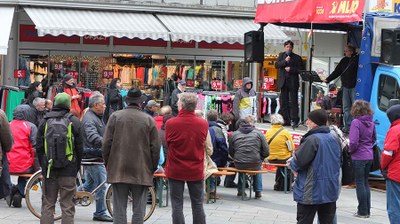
{"type": "Point", "coordinates": [388, 89]}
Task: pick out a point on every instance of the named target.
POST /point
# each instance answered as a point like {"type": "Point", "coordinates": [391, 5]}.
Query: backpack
{"type": "Point", "coordinates": [58, 143]}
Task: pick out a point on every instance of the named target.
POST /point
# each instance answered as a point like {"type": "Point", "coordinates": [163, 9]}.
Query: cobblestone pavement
{"type": "Point", "coordinates": [273, 207]}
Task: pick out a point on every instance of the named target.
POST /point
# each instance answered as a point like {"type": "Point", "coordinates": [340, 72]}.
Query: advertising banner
{"type": "Point", "coordinates": [307, 11]}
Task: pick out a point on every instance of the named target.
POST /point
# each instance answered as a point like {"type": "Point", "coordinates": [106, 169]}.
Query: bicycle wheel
{"type": "Point", "coordinates": [151, 202]}
{"type": "Point", "coordinates": [33, 196]}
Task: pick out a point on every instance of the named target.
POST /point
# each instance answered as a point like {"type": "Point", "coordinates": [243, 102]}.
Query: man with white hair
{"type": "Point", "coordinates": [93, 130]}
{"type": "Point", "coordinates": [37, 111]}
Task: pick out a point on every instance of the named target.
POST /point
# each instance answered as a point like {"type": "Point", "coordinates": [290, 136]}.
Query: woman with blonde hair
{"type": "Point", "coordinates": [362, 139]}
{"type": "Point", "coordinates": [280, 148]}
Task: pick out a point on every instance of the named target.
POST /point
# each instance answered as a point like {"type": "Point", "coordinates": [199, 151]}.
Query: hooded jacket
{"type": "Point", "coordinates": [317, 162]}
{"type": "Point", "coordinates": [362, 138]}
{"type": "Point", "coordinates": [72, 169]}
{"type": "Point", "coordinates": [391, 149]}
{"type": "Point", "coordinates": [22, 156]}
{"type": "Point", "coordinates": [248, 146]}
{"type": "Point", "coordinates": [245, 101]}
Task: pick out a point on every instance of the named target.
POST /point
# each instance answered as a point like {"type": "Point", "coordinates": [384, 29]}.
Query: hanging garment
{"type": "Point", "coordinates": [14, 99]}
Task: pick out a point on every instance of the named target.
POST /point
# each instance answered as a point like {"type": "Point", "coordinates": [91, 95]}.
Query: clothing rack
{"type": "Point", "coordinates": [215, 93]}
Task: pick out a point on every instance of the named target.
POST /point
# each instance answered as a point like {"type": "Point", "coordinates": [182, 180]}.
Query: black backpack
{"type": "Point", "coordinates": [58, 143]}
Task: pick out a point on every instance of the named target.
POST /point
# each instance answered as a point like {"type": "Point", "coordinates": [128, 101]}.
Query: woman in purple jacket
{"type": "Point", "coordinates": [362, 139]}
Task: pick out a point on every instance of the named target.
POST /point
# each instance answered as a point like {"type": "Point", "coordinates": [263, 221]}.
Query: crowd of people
{"type": "Point", "coordinates": [124, 139]}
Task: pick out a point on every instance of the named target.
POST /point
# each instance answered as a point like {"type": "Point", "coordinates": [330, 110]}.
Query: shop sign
{"type": "Point", "coordinates": [28, 33]}
{"type": "Point", "coordinates": [216, 84]}
{"type": "Point", "coordinates": [237, 83]}
{"type": "Point", "coordinates": [225, 46]}
{"type": "Point", "coordinates": [183, 44]}
{"type": "Point", "coordinates": [87, 39]}
{"type": "Point", "coordinates": [268, 82]}
{"type": "Point", "coordinates": [58, 66]}
{"type": "Point", "coordinates": [189, 83]}
{"type": "Point", "coordinates": [19, 74]}
{"type": "Point", "coordinates": [138, 42]}
{"type": "Point", "coordinates": [108, 74]}
{"type": "Point", "coordinates": [74, 74]}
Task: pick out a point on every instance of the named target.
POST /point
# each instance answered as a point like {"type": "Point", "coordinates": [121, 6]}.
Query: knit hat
{"type": "Point", "coordinates": [393, 113]}
{"type": "Point", "coordinates": [319, 117]}
{"type": "Point", "coordinates": [62, 99]}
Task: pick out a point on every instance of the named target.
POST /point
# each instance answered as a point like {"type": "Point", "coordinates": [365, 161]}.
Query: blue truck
{"type": "Point", "coordinates": [378, 78]}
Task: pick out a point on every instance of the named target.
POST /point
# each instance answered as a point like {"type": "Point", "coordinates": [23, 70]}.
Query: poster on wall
{"type": "Point", "coordinates": [380, 6]}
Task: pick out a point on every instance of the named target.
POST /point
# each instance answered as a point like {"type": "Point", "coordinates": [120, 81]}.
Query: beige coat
{"type": "Point", "coordinates": [209, 165]}
{"type": "Point", "coordinates": [6, 138]}
{"type": "Point", "coordinates": [131, 147]}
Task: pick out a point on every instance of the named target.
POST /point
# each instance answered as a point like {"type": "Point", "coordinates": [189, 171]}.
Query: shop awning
{"type": "Point", "coordinates": [71, 22]}
{"type": "Point", "coordinates": [7, 14]}
{"type": "Point", "coordinates": [217, 29]}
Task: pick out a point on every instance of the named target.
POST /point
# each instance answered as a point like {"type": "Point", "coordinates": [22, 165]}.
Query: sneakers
{"type": "Point", "coordinates": [104, 218]}
{"type": "Point", "coordinates": [258, 195]}
{"type": "Point", "coordinates": [360, 216]}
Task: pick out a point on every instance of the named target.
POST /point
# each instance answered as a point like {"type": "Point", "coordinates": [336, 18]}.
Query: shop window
{"type": "Point", "coordinates": [35, 67]}
{"type": "Point", "coordinates": [61, 64]}
{"type": "Point", "coordinates": [388, 89]}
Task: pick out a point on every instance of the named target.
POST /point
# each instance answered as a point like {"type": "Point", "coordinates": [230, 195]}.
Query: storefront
{"type": "Point", "coordinates": [143, 49]}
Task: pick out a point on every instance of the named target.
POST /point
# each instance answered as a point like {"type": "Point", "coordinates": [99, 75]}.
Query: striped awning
{"type": "Point", "coordinates": [71, 22]}
{"type": "Point", "coordinates": [217, 29]}
{"type": "Point", "coordinates": [7, 14]}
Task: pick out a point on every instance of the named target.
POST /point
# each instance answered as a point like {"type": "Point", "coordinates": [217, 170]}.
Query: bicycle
{"type": "Point", "coordinates": [33, 196]}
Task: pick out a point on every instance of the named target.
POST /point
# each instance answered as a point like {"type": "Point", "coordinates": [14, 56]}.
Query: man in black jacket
{"type": "Point", "coordinates": [347, 70]}
{"type": "Point", "coordinates": [59, 181]}
{"type": "Point", "coordinates": [289, 65]}
{"type": "Point", "coordinates": [95, 174]}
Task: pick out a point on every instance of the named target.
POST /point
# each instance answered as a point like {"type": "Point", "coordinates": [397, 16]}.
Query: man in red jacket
{"type": "Point", "coordinates": [391, 162]}
{"type": "Point", "coordinates": [186, 137]}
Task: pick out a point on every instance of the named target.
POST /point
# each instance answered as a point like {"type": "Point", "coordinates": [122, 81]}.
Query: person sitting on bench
{"type": "Point", "coordinates": [248, 148]}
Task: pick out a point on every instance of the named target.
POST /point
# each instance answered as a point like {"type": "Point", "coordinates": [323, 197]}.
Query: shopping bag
{"type": "Point", "coordinates": [376, 165]}
{"type": "Point", "coordinates": [347, 167]}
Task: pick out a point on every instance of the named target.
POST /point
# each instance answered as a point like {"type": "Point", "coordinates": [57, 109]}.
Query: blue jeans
{"type": "Point", "coordinates": [257, 184]}
{"type": "Point", "coordinates": [393, 200]}
{"type": "Point", "coordinates": [348, 99]}
{"type": "Point", "coordinates": [94, 176]}
{"type": "Point", "coordinates": [361, 173]}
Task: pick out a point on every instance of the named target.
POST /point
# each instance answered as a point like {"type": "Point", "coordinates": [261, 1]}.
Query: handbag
{"type": "Point", "coordinates": [376, 165]}
{"type": "Point", "coordinates": [347, 167]}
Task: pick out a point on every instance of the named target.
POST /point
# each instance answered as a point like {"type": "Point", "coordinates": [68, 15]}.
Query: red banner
{"type": "Point", "coordinates": [307, 11]}
{"type": "Point", "coordinates": [19, 74]}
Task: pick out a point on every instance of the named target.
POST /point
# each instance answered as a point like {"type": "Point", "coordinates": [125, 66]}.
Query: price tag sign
{"type": "Point", "coordinates": [19, 74]}
{"type": "Point", "coordinates": [74, 74]}
{"type": "Point", "coordinates": [238, 84]}
{"type": "Point", "coordinates": [268, 82]}
{"type": "Point", "coordinates": [58, 66]}
{"type": "Point", "coordinates": [216, 84]}
{"type": "Point", "coordinates": [108, 74]}
{"type": "Point", "coordinates": [189, 83]}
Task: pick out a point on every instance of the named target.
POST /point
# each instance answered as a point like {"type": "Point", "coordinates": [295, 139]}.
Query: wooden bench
{"type": "Point", "coordinates": [161, 182]}
{"type": "Point", "coordinates": [208, 184]}
{"type": "Point", "coordinates": [27, 175]}
{"type": "Point", "coordinates": [285, 173]}
{"type": "Point", "coordinates": [246, 175]}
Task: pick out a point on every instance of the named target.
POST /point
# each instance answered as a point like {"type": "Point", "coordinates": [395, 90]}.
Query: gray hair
{"type": "Point", "coordinates": [212, 115]}
{"type": "Point", "coordinates": [188, 101]}
{"type": "Point", "coordinates": [164, 110]}
{"type": "Point", "coordinates": [95, 98]}
{"type": "Point", "coordinates": [277, 119]}
{"type": "Point", "coordinates": [38, 101]}
{"type": "Point", "coordinates": [249, 120]}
